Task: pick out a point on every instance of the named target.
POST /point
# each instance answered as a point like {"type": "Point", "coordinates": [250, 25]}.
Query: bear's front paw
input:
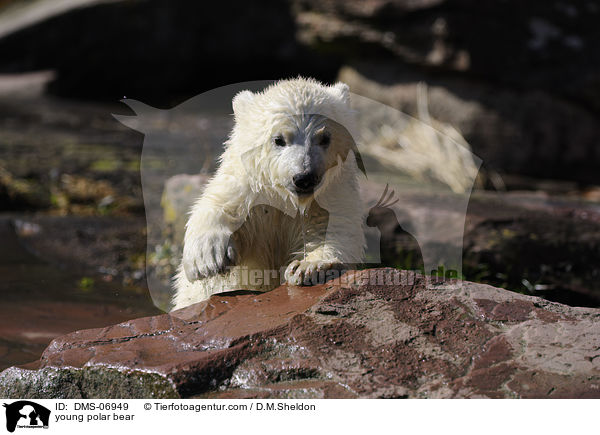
{"type": "Point", "coordinates": [208, 254]}
{"type": "Point", "coordinates": [308, 272]}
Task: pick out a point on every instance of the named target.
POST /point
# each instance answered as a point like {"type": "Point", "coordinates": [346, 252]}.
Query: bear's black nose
{"type": "Point", "coordinates": [305, 182]}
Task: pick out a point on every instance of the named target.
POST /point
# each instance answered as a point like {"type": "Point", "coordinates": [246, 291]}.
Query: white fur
{"type": "Point", "coordinates": [249, 218]}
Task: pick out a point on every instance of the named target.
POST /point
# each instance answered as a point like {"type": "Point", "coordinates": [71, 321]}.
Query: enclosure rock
{"type": "Point", "coordinates": [373, 334]}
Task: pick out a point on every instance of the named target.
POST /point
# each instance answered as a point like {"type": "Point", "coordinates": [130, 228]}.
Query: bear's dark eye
{"type": "Point", "coordinates": [325, 139]}
{"type": "Point", "coordinates": [279, 141]}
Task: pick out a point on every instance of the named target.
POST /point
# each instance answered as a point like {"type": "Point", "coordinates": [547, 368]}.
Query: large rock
{"type": "Point", "coordinates": [374, 333]}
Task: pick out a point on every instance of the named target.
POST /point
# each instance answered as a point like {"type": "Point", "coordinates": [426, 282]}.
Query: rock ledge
{"type": "Point", "coordinates": [339, 340]}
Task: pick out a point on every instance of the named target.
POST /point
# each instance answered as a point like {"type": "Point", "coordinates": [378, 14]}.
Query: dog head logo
{"type": "Point", "coordinates": [290, 152]}
{"type": "Point", "coordinates": [26, 414]}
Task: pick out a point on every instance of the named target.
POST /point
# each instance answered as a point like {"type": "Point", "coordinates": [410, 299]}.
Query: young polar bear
{"type": "Point", "coordinates": [284, 200]}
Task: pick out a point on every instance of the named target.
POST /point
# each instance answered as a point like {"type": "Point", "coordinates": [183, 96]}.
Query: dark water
{"type": "Point", "coordinates": [40, 300]}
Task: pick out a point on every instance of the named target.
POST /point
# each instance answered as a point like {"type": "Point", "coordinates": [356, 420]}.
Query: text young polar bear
{"type": "Point", "coordinates": [284, 198]}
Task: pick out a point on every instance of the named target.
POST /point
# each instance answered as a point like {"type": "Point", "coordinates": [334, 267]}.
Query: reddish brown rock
{"type": "Point", "coordinates": [348, 338]}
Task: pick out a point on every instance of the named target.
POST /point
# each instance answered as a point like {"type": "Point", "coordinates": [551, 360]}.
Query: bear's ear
{"type": "Point", "coordinates": [342, 91]}
{"type": "Point", "coordinates": [242, 101]}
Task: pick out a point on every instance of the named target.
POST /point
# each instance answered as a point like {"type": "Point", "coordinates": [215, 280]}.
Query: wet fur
{"type": "Point", "coordinates": [249, 218]}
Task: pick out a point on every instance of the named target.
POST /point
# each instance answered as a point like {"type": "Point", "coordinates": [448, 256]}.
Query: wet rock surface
{"type": "Point", "coordinates": [376, 335]}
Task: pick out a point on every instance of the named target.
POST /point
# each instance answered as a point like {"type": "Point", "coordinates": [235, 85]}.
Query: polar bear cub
{"type": "Point", "coordinates": [284, 203]}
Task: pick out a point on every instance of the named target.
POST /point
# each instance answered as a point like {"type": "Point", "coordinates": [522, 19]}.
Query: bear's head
{"type": "Point", "coordinates": [293, 136]}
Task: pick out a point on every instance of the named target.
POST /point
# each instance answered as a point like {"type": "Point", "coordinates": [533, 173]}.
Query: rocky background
{"type": "Point", "coordinates": [519, 80]}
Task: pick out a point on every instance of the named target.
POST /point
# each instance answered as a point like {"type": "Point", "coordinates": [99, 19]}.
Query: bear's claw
{"type": "Point", "coordinates": [208, 255]}
{"type": "Point", "coordinates": [307, 272]}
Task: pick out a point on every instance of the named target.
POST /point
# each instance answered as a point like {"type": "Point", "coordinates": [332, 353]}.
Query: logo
{"type": "Point", "coordinates": [330, 192]}
{"type": "Point", "coordinates": [26, 414]}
